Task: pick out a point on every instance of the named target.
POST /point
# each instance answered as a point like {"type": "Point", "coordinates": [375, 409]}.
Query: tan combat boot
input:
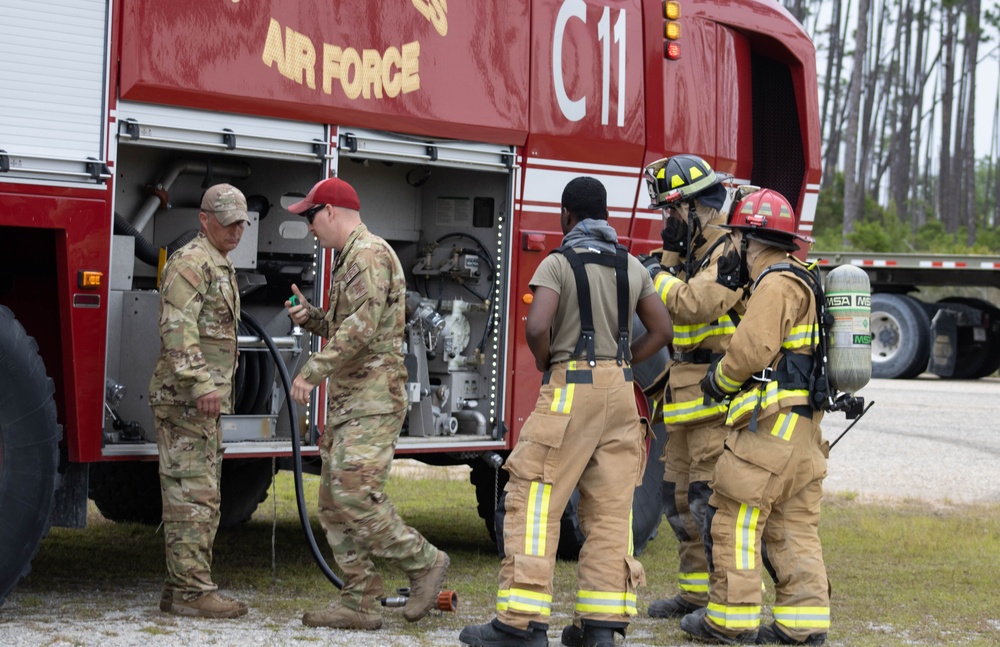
{"type": "Point", "coordinates": [210, 605]}
{"type": "Point", "coordinates": [337, 616]}
{"type": "Point", "coordinates": [424, 588]}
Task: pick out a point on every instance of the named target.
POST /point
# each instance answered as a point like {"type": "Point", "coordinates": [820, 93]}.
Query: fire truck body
{"type": "Point", "coordinates": [459, 124]}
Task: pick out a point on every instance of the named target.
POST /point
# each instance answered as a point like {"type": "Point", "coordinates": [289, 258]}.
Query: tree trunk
{"type": "Point", "coordinates": [946, 207]}
{"type": "Point", "coordinates": [852, 197]}
{"type": "Point", "coordinates": [972, 34]}
{"type": "Point", "coordinates": [835, 118]}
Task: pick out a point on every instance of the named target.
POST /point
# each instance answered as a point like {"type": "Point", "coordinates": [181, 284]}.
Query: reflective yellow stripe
{"type": "Point", "coordinates": [662, 284]}
{"type": "Point", "coordinates": [727, 383]}
{"type": "Point", "coordinates": [525, 601]}
{"type": "Point", "coordinates": [802, 337]}
{"type": "Point", "coordinates": [537, 519]}
{"type": "Point", "coordinates": [686, 335]}
{"type": "Point", "coordinates": [676, 412]}
{"type": "Point", "coordinates": [738, 617]}
{"type": "Point", "coordinates": [746, 537]}
{"type": "Point", "coordinates": [784, 426]}
{"type": "Point", "coordinates": [744, 403]}
{"type": "Point", "coordinates": [693, 582]}
{"type": "Point", "coordinates": [803, 617]}
{"type": "Point", "coordinates": [562, 400]}
{"type": "Point", "coordinates": [613, 602]}
{"type": "Point", "coordinates": [631, 537]}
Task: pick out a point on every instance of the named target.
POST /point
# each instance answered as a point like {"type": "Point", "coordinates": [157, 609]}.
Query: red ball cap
{"type": "Point", "coordinates": [334, 192]}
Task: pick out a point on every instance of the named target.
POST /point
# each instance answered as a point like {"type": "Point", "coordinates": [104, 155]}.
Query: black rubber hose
{"type": "Point", "coordinates": [300, 500]}
{"type": "Point", "coordinates": [145, 251]}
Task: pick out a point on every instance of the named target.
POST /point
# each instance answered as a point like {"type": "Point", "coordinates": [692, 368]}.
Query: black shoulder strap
{"type": "Point", "coordinates": [702, 262]}
{"type": "Point", "coordinates": [819, 389]}
{"type": "Point", "coordinates": [620, 263]}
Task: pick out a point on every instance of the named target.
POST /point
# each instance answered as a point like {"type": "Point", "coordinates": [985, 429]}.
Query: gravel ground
{"type": "Point", "coordinates": [926, 440]}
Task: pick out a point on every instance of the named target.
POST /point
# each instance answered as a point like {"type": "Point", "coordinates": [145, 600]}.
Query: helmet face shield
{"type": "Point", "coordinates": [677, 178]}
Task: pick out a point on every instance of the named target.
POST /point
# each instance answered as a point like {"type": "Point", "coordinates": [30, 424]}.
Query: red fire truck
{"type": "Point", "coordinates": [458, 123]}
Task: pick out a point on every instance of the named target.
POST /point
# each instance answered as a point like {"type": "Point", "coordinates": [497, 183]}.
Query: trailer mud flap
{"type": "Point", "coordinates": [944, 349]}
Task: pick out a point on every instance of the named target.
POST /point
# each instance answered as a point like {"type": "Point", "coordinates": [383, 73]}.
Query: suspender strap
{"type": "Point", "coordinates": [621, 281]}
{"type": "Point", "coordinates": [577, 262]}
{"type": "Point", "coordinates": [586, 341]}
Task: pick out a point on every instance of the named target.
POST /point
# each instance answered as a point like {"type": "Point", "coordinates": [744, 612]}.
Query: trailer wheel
{"type": "Point", "coordinates": [901, 336]}
{"type": "Point", "coordinates": [130, 491]}
{"type": "Point", "coordinates": [29, 451]}
{"type": "Point", "coordinates": [977, 359]}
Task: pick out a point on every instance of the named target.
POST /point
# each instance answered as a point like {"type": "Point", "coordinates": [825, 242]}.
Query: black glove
{"type": "Point", "coordinates": [733, 271]}
{"type": "Point", "coordinates": [674, 235]}
{"type": "Point", "coordinates": [652, 264]}
{"type": "Point", "coordinates": [709, 387]}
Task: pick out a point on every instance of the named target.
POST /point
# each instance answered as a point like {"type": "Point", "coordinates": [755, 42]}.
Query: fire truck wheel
{"type": "Point", "coordinates": [647, 502]}
{"type": "Point", "coordinates": [127, 491]}
{"type": "Point", "coordinates": [29, 450]}
{"type": "Point", "coordinates": [245, 482]}
{"type": "Point", "coordinates": [901, 336]}
{"type": "Point", "coordinates": [130, 492]}
{"type": "Point", "coordinates": [977, 358]}
{"type": "Point", "coordinates": [489, 484]}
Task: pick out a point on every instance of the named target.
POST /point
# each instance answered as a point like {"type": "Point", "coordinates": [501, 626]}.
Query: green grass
{"type": "Point", "coordinates": [901, 574]}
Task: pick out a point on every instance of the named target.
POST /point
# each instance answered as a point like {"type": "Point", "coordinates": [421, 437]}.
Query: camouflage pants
{"type": "Point", "coordinates": [190, 447]}
{"type": "Point", "coordinates": [357, 516]}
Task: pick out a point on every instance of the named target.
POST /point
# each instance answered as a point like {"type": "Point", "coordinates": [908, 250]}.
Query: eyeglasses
{"type": "Point", "coordinates": [310, 213]}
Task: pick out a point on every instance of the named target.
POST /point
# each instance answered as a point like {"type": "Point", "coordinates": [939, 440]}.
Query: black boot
{"type": "Point", "coordinates": [773, 635]}
{"type": "Point", "coordinates": [590, 635]}
{"type": "Point", "coordinates": [572, 636]}
{"type": "Point", "coordinates": [599, 636]}
{"type": "Point", "coordinates": [695, 624]}
{"type": "Point", "coordinates": [497, 634]}
{"type": "Point", "coordinates": [675, 607]}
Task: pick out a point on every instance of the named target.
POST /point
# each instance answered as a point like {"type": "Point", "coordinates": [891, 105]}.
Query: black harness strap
{"type": "Point", "coordinates": [577, 261]}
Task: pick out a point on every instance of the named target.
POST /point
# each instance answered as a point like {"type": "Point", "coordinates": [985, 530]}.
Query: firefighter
{"type": "Point", "coordinates": [705, 315]}
{"type": "Point", "coordinates": [585, 432]}
{"type": "Point", "coordinates": [768, 483]}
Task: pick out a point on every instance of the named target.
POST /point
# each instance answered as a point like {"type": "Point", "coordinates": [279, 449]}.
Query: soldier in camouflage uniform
{"type": "Point", "coordinates": [191, 386]}
{"type": "Point", "coordinates": [366, 405]}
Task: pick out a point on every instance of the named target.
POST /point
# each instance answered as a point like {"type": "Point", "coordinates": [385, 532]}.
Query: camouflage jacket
{"type": "Point", "coordinates": [199, 310]}
{"type": "Point", "coordinates": [364, 326]}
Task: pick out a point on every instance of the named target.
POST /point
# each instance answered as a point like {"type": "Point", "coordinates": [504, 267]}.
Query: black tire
{"type": "Point", "coordinates": [489, 484]}
{"type": "Point", "coordinates": [29, 451]}
{"type": "Point", "coordinates": [245, 482]}
{"type": "Point", "coordinates": [901, 336]}
{"type": "Point", "coordinates": [130, 491]}
{"type": "Point", "coordinates": [127, 492]}
{"type": "Point", "coordinates": [976, 359]}
{"type": "Point", "coordinates": [647, 503]}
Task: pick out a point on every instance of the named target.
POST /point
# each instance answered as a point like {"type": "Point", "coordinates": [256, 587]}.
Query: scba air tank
{"type": "Point", "coordinates": [849, 355]}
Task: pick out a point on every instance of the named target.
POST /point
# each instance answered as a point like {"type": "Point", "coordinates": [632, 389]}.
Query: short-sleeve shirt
{"type": "Point", "coordinates": [555, 273]}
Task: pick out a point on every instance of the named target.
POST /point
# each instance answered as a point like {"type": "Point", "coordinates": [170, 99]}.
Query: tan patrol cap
{"type": "Point", "coordinates": [227, 203]}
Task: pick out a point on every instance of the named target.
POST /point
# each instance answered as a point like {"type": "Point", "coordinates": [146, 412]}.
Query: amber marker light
{"type": "Point", "coordinates": [89, 280]}
{"type": "Point", "coordinates": [528, 298]}
{"type": "Point", "coordinates": [671, 10]}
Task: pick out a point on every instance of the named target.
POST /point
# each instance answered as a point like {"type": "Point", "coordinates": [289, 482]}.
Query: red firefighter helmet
{"type": "Point", "coordinates": [767, 217]}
